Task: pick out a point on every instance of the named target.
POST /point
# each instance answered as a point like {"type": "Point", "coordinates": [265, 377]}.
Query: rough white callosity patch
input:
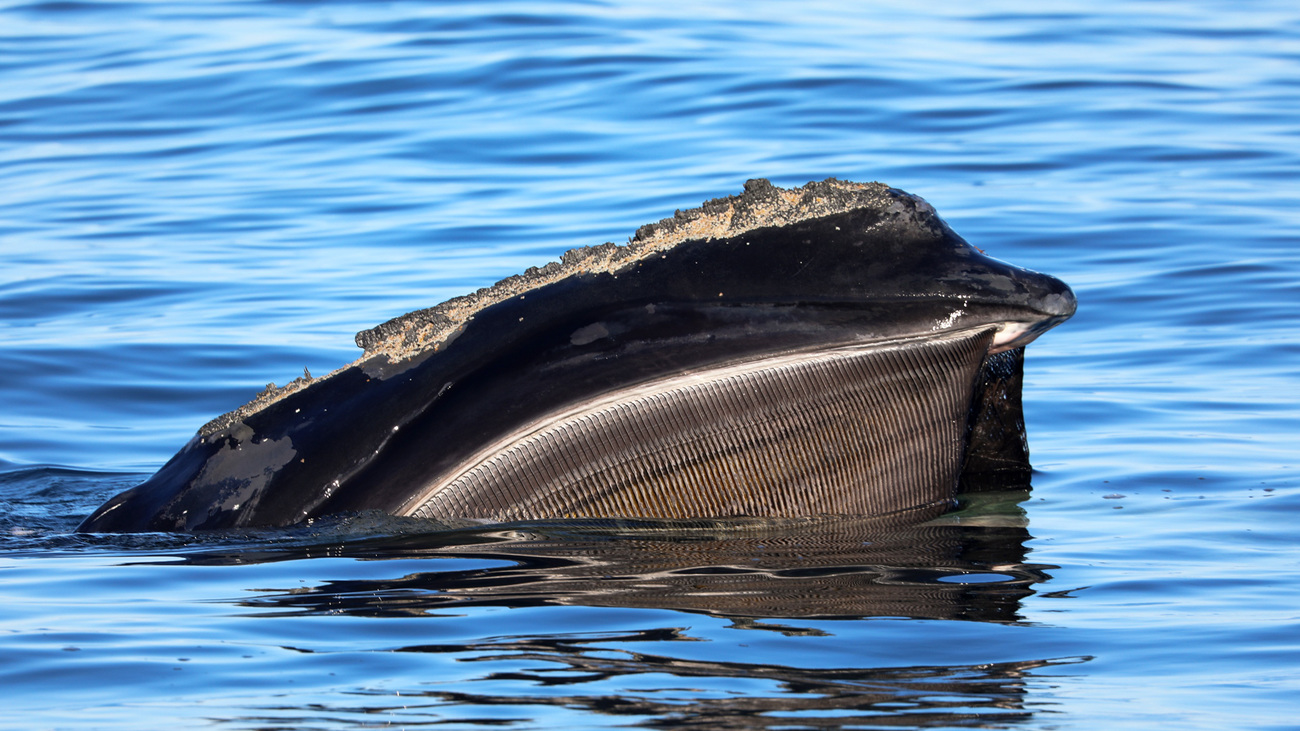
{"type": "Point", "coordinates": [761, 205]}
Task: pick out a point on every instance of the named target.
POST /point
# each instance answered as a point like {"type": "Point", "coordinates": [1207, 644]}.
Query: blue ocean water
{"type": "Point", "coordinates": [200, 198]}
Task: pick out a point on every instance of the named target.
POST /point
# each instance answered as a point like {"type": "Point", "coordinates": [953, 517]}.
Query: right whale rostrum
{"type": "Point", "coordinates": [834, 349]}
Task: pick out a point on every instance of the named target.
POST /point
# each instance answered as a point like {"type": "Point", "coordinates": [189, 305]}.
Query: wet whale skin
{"type": "Point", "coordinates": [864, 362]}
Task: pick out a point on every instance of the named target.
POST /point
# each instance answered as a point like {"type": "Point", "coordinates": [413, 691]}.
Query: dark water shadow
{"type": "Point", "coordinates": [786, 577]}
{"type": "Point", "coordinates": [842, 571]}
{"type": "Point", "coordinates": [783, 578]}
{"type": "Point", "coordinates": [969, 565]}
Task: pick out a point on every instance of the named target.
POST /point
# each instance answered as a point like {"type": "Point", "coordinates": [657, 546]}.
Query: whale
{"type": "Point", "coordinates": [829, 349]}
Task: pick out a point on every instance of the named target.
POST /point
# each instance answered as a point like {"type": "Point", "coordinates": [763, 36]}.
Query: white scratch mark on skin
{"type": "Point", "coordinates": [952, 317]}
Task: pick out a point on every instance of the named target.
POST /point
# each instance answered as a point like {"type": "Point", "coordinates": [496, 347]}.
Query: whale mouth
{"type": "Point", "coordinates": [1016, 334]}
{"type": "Point", "coordinates": [814, 432]}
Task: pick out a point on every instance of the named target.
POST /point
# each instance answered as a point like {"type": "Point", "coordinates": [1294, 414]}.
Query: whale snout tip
{"type": "Point", "coordinates": [1060, 304]}
{"type": "Point", "coordinates": [1046, 311]}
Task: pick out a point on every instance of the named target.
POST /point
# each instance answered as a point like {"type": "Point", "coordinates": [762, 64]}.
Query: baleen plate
{"type": "Point", "coordinates": [856, 430]}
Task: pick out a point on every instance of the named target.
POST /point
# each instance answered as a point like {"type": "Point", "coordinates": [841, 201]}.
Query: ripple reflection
{"type": "Point", "coordinates": [967, 566]}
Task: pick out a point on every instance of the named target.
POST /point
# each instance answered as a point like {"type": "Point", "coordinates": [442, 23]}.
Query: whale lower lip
{"type": "Point", "coordinates": [823, 350]}
{"type": "Point", "coordinates": [1013, 335]}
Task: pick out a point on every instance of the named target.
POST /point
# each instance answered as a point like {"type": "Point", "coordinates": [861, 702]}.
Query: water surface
{"type": "Point", "coordinates": [200, 198]}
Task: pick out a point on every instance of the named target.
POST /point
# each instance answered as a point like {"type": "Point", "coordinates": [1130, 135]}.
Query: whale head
{"type": "Point", "coordinates": [834, 349]}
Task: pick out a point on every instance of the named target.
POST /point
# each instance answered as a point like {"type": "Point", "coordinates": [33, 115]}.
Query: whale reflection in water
{"type": "Point", "coordinates": [967, 566]}
{"type": "Point", "coordinates": [803, 578]}
{"type": "Point", "coordinates": [834, 349]}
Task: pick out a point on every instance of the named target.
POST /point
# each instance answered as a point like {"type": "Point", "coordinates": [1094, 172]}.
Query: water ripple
{"type": "Point", "coordinates": [200, 198]}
